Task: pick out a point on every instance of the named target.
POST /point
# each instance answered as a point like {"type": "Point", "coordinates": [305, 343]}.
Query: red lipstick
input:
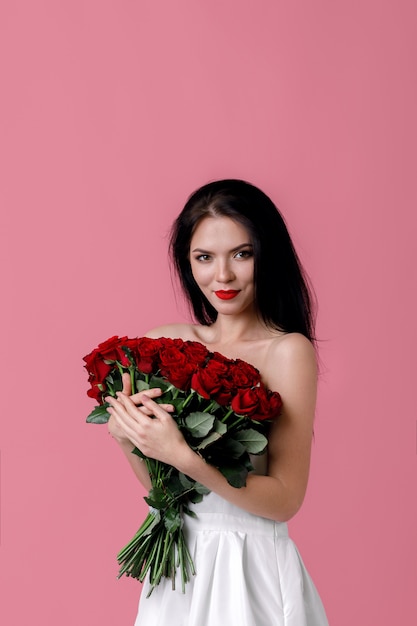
{"type": "Point", "coordinates": [227, 295]}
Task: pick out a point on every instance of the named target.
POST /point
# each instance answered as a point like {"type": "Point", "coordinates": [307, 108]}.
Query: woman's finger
{"type": "Point", "coordinates": [135, 411]}
{"type": "Point", "coordinates": [155, 392]}
{"type": "Point", "coordinates": [127, 384]}
{"type": "Point", "coordinates": [156, 409]}
{"type": "Point", "coordinates": [124, 417]}
{"type": "Point", "coordinates": [167, 407]}
{"type": "Point", "coordinates": [137, 398]}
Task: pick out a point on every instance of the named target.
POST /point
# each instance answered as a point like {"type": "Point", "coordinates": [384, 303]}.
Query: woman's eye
{"type": "Point", "coordinates": [202, 257]}
{"type": "Point", "coordinates": [243, 254]}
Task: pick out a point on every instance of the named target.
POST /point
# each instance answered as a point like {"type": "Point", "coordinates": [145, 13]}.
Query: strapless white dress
{"type": "Point", "coordinates": [249, 573]}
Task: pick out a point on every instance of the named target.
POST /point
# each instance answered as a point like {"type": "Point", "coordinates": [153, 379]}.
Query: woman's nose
{"type": "Point", "coordinates": [224, 272]}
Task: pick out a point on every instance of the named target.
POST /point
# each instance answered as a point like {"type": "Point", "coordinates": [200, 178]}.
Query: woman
{"type": "Point", "coordinates": [239, 270]}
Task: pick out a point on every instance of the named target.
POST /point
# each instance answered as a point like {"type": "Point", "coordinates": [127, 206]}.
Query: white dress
{"type": "Point", "coordinates": [249, 573]}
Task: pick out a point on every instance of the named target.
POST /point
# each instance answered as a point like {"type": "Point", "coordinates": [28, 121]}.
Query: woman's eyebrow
{"type": "Point", "coordinates": [241, 245]}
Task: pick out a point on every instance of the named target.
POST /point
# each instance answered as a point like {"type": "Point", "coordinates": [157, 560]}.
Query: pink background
{"type": "Point", "coordinates": [112, 112]}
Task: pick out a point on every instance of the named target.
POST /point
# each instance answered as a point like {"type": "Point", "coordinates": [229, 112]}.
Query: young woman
{"type": "Point", "coordinates": [239, 270]}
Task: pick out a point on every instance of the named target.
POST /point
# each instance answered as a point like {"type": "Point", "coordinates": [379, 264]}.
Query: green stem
{"type": "Point", "coordinates": [228, 414]}
{"type": "Point", "coordinates": [188, 399]}
{"type": "Point", "coordinates": [238, 421]}
{"type": "Point", "coordinates": [209, 407]}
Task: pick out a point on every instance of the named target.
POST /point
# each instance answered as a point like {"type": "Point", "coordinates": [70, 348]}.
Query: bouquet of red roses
{"type": "Point", "coordinates": [222, 409]}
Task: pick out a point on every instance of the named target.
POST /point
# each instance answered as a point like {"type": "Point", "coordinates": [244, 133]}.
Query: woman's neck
{"type": "Point", "coordinates": [232, 330]}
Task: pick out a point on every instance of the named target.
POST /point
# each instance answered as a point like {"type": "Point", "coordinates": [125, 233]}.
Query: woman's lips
{"type": "Point", "coordinates": [227, 295]}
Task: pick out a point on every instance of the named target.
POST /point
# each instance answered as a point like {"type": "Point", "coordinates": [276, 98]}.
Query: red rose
{"type": "Point", "coordinates": [169, 342]}
{"type": "Point", "coordinates": [220, 358]}
{"type": "Point", "coordinates": [258, 403]}
{"type": "Point", "coordinates": [174, 365]}
{"type": "Point", "coordinates": [195, 352]}
{"type": "Point", "coordinates": [146, 354]}
{"type": "Point", "coordinates": [96, 367]}
{"type": "Point", "coordinates": [181, 375]}
{"type": "Point", "coordinates": [228, 388]}
{"type": "Point", "coordinates": [96, 392]}
{"type": "Point", "coordinates": [274, 403]}
{"type": "Point", "coordinates": [208, 380]}
{"type": "Point", "coordinates": [170, 356]}
{"type": "Point", "coordinates": [111, 350]}
{"type": "Point", "coordinates": [122, 356]}
{"type": "Point", "coordinates": [245, 375]}
{"type": "Point", "coordinates": [107, 351]}
{"type": "Point", "coordinates": [245, 402]}
{"type": "Point", "coordinates": [270, 404]}
{"type": "Point", "coordinates": [99, 364]}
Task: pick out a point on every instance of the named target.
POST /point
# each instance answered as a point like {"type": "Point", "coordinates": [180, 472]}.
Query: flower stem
{"type": "Point", "coordinates": [132, 379]}
{"type": "Point", "coordinates": [228, 414]}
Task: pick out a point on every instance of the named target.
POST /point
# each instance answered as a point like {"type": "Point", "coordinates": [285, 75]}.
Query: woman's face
{"type": "Point", "coordinates": [222, 263]}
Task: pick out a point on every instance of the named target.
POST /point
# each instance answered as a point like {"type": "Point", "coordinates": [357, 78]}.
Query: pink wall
{"type": "Point", "coordinates": [112, 111]}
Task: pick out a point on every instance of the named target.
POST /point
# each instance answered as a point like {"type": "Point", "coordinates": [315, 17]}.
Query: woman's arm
{"type": "Point", "coordinates": [292, 370]}
{"type": "Point", "coordinates": [136, 463]}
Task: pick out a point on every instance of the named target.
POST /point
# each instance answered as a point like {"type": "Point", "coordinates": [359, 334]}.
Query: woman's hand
{"type": "Point", "coordinates": [146, 424]}
{"type": "Point", "coordinates": [115, 428]}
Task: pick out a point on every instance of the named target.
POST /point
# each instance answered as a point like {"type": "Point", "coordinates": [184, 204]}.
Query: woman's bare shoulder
{"type": "Point", "coordinates": [292, 353]}
{"type": "Point", "coordinates": [173, 331]}
{"type": "Point", "coordinates": [291, 345]}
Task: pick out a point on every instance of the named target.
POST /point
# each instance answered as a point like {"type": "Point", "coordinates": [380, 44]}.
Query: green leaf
{"type": "Point", "coordinates": [157, 381]}
{"type": "Point", "coordinates": [235, 475]}
{"type": "Point", "coordinates": [208, 440]}
{"type": "Point", "coordinates": [141, 385]}
{"type": "Point", "coordinates": [156, 498]}
{"type": "Point", "coordinates": [188, 511]}
{"type": "Point", "coordinates": [114, 382]}
{"type": "Point", "coordinates": [99, 415]}
{"type": "Point", "coordinates": [254, 441]}
{"type": "Point", "coordinates": [128, 352]}
{"type": "Point", "coordinates": [201, 489]}
{"type": "Point", "coordinates": [195, 498]}
{"type": "Point", "coordinates": [138, 453]}
{"type": "Point", "coordinates": [233, 448]}
{"type": "Point", "coordinates": [199, 424]}
{"type": "Point", "coordinates": [172, 520]}
{"type": "Point", "coordinates": [167, 399]}
{"type": "Point", "coordinates": [185, 481]}
{"type": "Point", "coordinates": [220, 429]}
{"type": "Point", "coordinates": [173, 485]}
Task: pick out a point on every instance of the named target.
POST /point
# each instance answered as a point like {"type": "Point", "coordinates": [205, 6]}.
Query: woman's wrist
{"type": "Point", "coordinates": [190, 462]}
{"type": "Point", "coordinates": [123, 442]}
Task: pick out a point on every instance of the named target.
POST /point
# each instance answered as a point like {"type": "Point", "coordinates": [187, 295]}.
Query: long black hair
{"type": "Point", "coordinates": [283, 296]}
